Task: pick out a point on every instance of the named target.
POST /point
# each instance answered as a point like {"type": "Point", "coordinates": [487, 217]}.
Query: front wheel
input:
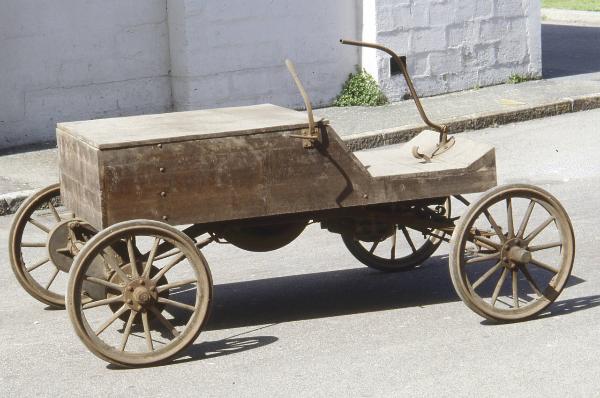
{"type": "Point", "coordinates": [512, 252]}
{"type": "Point", "coordinates": [154, 306]}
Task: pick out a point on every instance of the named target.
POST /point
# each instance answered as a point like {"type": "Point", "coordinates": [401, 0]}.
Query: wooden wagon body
{"type": "Point", "coordinates": [239, 163]}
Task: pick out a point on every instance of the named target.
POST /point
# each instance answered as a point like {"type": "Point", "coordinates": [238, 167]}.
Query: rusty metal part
{"type": "Point", "coordinates": [542, 258]}
{"type": "Point", "coordinates": [445, 143]}
{"type": "Point", "coordinates": [370, 248]}
{"type": "Point", "coordinates": [138, 295]}
{"type": "Point", "coordinates": [313, 134]}
{"type": "Point", "coordinates": [262, 238]}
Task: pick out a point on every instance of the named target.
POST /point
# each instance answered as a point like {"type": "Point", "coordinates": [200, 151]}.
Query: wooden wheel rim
{"type": "Point", "coordinates": [24, 277]}
{"type": "Point", "coordinates": [460, 278]}
{"type": "Point", "coordinates": [194, 324]}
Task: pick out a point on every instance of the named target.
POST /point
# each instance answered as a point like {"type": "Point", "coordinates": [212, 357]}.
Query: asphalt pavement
{"type": "Point", "coordinates": [309, 320]}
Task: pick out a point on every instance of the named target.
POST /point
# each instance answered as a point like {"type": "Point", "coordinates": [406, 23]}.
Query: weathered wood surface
{"type": "Point", "coordinates": [122, 132]}
{"type": "Point", "coordinates": [254, 174]}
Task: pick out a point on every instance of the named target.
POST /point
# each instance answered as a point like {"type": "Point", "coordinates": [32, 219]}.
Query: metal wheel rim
{"type": "Point", "coordinates": [194, 324]}
{"type": "Point", "coordinates": [458, 264]}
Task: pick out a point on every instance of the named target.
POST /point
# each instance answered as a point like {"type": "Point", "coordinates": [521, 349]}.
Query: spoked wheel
{"type": "Point", "coordinates": [399, 248]}
{"type": "Point", "coordinates": [151, 311]}
{"type": "Point", "coordinates": [512, 253]}
{"type": "Point", "coordinates": [40, 250]}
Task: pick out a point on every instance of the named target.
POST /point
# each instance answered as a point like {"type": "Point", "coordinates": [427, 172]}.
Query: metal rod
{"type": "Point", "coordinates": [442, 129]}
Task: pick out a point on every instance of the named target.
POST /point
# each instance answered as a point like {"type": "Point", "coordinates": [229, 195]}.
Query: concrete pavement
{"type": "Point", "coordinates": [309, 320]}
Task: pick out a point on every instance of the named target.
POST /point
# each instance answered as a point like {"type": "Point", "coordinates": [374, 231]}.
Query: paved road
{"type": "Point", "coordinates": [570, 49]}
{"type": "Point", "coordinates": [309, 320]}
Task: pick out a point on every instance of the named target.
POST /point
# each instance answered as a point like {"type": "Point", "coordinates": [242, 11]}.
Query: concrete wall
{"type": "Point", "coordinates": [79, 59]}
{"type": "Point", "coordinates": [67, 60]}
{"type": "Point", "coordinates": [454, 45]}
{"type": "Point", "coordinates": [232, 52]}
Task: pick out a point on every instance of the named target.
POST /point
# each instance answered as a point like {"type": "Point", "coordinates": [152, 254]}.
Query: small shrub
{"type": "Point", "coordinates": [516, 78]}
{"type": "Point", "coordinates": [361, 89]}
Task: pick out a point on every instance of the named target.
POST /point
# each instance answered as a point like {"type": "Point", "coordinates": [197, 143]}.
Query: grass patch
{"type": "Point", "coordinates": [581, 5]}
{"type": "Point", "coordinates": [517, 78]}
{"type": "Point", "coordinates": [360, 89]}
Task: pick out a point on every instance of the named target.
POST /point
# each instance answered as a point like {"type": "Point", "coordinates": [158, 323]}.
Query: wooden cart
{"type": "Point", "coordinates": [139, 289]}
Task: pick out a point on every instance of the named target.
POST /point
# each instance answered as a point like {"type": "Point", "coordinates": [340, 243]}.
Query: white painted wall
{"type": "Point", "coordinates": [79, 59]}
{"type": "Point", "coordinates": [232, 52]}
{"type": "Point", "coordinates": [64, 60]}
{"type": "Point", "coordinates": [454, 45]}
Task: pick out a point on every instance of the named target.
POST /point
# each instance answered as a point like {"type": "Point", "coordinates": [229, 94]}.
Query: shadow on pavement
{"type": "Point", "coordinates": [570, 50]}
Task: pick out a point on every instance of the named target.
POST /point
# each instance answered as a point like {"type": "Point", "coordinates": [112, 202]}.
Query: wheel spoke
{"type": "Point", "coordinates": [176, 304]}
{"type": "Point", "coordinates": [103, 282]}
{"type": "Point", "coordinates": [37, 265]}
{"type": "Point", "coordinates": [544, 266]}
{"type": "Point", "coordinates": [146, 272]}
{"type": "Point", "coordinates": [487, 243]}
{"type": "Point", "coordinates": [106, 301]}
{"type": "Point", "coordinates": [515, 288]}
{"type": "Point", "coordinates": [54, 212]}
{"type": "Point", "coordinates": [131, 252]}
{"type": "Point", "coordinates": [147, 333]}
{"type": "Point", "coordinates": [499, 286]}
{"type": "Point", "coordinates": [539, 229]}
{"type": "Point", "coordinates": [113, 318]}
{"type": "Point", "coordinates": [52, 278]}
{"type": "Point", "coordinates": [483, 258]}
{"type": "Point", "coordinates": [374, 247]}
{"type": "Point", "coordinates": [33, 244]}
{"type": "Point", "coordinates": [494, 225]}
{"type": "Point", "coordinates": [525, 219]}
{"type": "Point", "coordinates": [172, 285]}
{"type": "Point", "coordinates": [167, 254]}
{"type": "Point", "coordinates": [530, 280]}
{"type": "Point", "coordinates": [39, 225]}
{"type": "Point", "coordinates": [115, 268]}
{"type": "Point", "coordinates": [408, 239]}
{"type": "Point", "coordinates": [167, 267]}
{"type": "Point", "coordinates": [487, 275]}
{"type": "Point", "coordinates": [127, 330]}
{"type": "Point", "coordinates": [393, 251]}
{"type": "Point", "coordinates": [164, 321]}
{"type": "Point", "coordinates": [545, 246]}
{"type": "Point", "coordinates": [509, 217]}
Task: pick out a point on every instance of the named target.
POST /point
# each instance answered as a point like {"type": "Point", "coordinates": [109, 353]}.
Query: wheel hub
{"type": "Point", "coordinates": [61, 248]}
{"type": "Point", "coordinates": [140, 293]}
{"type": "Point", "coordinates": [514, 253]}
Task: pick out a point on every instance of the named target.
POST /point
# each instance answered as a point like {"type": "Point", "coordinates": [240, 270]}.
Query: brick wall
{"type": "Point", "coordinates": [454, 45]}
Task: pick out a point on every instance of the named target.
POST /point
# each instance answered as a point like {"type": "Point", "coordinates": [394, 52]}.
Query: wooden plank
{"type": "Point", "coordinates": [163, 128]}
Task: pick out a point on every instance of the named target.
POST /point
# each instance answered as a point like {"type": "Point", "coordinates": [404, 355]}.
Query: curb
{"type": "Point", "coordinates": [550, 15]}
{"type": "Point", "coordinates": [374, 139]}
{"type": "Point", "coordinates": [10, 202]}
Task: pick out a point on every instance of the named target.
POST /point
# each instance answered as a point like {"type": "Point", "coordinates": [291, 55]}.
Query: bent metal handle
{"type": "Point", "coordinates": [310, 135]}
{"type": "Point", "coordinates": [442, 129]}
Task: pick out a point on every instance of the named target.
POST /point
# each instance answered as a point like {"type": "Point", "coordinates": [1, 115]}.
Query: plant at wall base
{"type": "Point", "coordinates": [516, 78]}
{"type": "Point", "coordinates": [360, 89]}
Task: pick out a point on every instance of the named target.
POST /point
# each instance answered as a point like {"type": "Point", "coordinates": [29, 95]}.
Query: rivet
{"type": "Point", "coordinates": [130, 289]}
{"type": "Point", "coordinates": [163, 194]}
{"type": "Point", "coordinates": [129, 302]}
{"type": "Point", "coordinates": [159, 145]}
{"type": "Point", "coordinates": [142, 283]}
{"type": "Point", "coordinates": [365, 196]}
{"type": "Point", "coordinates": [162, 169]}
{"type": "Point", "coordinates": [165, 218]}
